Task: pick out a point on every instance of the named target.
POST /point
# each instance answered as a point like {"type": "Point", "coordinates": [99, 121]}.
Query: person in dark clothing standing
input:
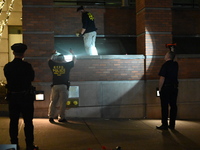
{"type": "Point", "coordinates": [168, 87]}
{"type": "Point", "coordinates": [88, 31]}
{"type": "Point", "coordinates": [19, 75]}
{"type": "Point", "coordinates": [59, 91]}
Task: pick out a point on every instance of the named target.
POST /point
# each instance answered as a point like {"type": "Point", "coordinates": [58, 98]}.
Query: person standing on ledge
{"type": "Point", "coordinates": [168, 87]}
{"type": "Point", "coordinates": [60, 87]}
{"type": "Point", "coordinates": [19, 75]}
{"type": "Point", "coordinates": [88, 31]}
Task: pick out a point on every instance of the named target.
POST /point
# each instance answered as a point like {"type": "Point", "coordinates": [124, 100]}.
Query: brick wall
{"type": "Point", "coordinates": [67, 21]}
{"type": "Point", "coordinates": [119, 21]}
{"type": "Point", "coordinates": [38, 19]}
{"type": "Point", "coordinates": [141, 44]}
{"type": "Point", "coordinates": [140, 4]}
{"type": "Point", "coordinates": [42, 21]}
{"type": "Point", "coordinates": [158, 20]}
{"type": "Point", "coordinates": [155, 43]}
{"type": "Point", "coordinates": [39, 44]}
{"type": "Point", "coordinates": [158, 3]}
{"type": "Point", "coordinates": [140, 22]}
{"type": "Point", "coordinates": [153, 66]}
{"type": "Point", "coordinates": [189, 67]}
{"type": "Point", "coordinates": [42, 71]}
{"type": "Point", "coordinates": [108, 69]}
{"type": "Point", "coordinates": [186, 22]}
{"type": "Point", "coordinates": [94, 69]}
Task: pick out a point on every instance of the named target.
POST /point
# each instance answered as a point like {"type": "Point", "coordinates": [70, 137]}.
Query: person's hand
{"type": "Point", "coordinates": [71, 51]}
{"type": "Point", "coordinates": [54, 52]}
{"type": "Point", "coordinates": [79, 34]}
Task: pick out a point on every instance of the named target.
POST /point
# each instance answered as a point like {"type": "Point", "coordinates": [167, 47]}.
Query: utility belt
{"type": "Point", "coordinates": [89, 32]}
{"type": "Point", "coordinates": [20, 92]}
{"type": "Point", "coordinates": [30, 93]}
{"type": "Point", "coordinates": [67, 84]}
{"type": "Point", "coordinates": [31, 90]}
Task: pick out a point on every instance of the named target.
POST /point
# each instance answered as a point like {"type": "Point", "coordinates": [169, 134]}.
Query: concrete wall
{"type": "Point", "coordinates": [188, 99]}
{"type": "Point", "coordinates": [102, 99]}
{"type": "Point", "coordinates": [125, 99]}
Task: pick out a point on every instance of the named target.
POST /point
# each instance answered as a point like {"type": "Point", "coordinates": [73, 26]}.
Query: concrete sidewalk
{"type": "Point", "coordinates": [95, 134]}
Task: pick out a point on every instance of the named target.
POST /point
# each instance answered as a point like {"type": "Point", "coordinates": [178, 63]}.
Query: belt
{"type": "Point", "coordinates": [170, 85]}
{"type": "Point", "coordinates": [14, 92]}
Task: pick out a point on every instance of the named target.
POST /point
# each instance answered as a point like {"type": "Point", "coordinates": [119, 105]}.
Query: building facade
{"type": "Point", "coordinates": [121, 83]}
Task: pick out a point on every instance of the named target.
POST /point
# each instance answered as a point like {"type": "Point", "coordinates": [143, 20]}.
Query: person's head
{"type": "Point", "coordinates": [60, 58]}
{"type": "Point", "coordinates": [19, 49]}
{"type": "Point", "coordinates": [80, 9]}
{"type": "Point", "coordinates": [170, 56]}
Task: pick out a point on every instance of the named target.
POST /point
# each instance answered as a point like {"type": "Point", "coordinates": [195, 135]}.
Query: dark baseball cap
{"type": "Point", "coordinates": [80, 8]}
{"type": "Point", "coordinates": [19, 47]}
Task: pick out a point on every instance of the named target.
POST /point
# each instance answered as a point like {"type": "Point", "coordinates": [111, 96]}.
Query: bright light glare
{"type": "Point", "coordinates": [94, 51]}
{"type": "Point", "coordinates": [68, 58]}
{"type": "Point", "coordinates": [157, 93]}
{"type": "Point", "coordinates": [150, 48]}
{"type": "Point", "coordinates": [39, 97]}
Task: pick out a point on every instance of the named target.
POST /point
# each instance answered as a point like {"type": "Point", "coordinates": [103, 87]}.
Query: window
{"type": "Point", "coordinates": [15, 30]}
{"type": "Point", "coordinates": [187, 44]}
{"type": "Point", "coordinates": [104, 45]}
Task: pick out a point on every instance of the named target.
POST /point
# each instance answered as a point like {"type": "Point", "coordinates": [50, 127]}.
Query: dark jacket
{"type": "Point", "coordinates": [19, 75]}
{"type": "Point", "coordinates": [88, 22]}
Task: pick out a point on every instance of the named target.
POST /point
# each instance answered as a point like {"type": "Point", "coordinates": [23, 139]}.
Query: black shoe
{"type": "Point", "coordinates": [162, 127]}
{"type": "Point", "coordinates": [62, 120]}
{"type": "Point", "coordinates": [32, 147]}
{"type": "Point", "coordinates": [171, 127]}
{"type": "Point", "coordinates": [51, 120]}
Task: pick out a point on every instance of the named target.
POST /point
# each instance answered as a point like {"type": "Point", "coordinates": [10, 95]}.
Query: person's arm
{"type": "Point", "coordinates": [53, 54]}
{"type": "Point", "coordinates": [74, 57]}
{"type": "Point", "coordinates": [84, 23]}
{"type": "Point", "coordinates": [83, 31]}
{"type": "Point", "coordinates": [161, 82]}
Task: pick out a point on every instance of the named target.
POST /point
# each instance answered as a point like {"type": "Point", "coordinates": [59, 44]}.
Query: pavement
{"type": "Point", "coordinates": [107, 134]}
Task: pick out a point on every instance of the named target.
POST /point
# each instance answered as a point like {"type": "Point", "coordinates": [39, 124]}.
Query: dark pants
{"type": "Point", "coordinates": [168, 96]}
{"type": "Point", "coordinates": [21, 104]}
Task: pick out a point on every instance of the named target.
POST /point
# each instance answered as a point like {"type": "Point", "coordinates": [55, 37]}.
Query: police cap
{"type": "Point", "coordinates": [19, 47]}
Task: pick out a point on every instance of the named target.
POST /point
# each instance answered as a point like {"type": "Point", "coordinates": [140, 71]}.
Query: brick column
{"type": "Point", "coordinates": [154, 30]}
{"type": "Point", "coordinates": [38, 34]}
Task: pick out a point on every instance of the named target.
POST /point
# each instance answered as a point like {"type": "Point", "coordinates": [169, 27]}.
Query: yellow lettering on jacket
{"type": "Point", "coordinates": [58, 70]}
{"type": "Point", "coordinates": [91, 16]}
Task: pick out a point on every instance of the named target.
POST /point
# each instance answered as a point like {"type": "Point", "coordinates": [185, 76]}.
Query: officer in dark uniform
{"type": "Point", "coordinates": [88, 31]}
{"type": "Point", "coordinates": [60, 88]}
{"type": "Point", "coordinates": [168, 87]}
{"type": "Point", "coordinates": [19, 75]}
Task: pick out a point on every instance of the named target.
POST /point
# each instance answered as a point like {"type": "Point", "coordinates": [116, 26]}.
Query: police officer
{"type": "Point", "coordinates": [19, 75]}
{"type": "Point", "coordinates": [88, 31]}
{"type": "Point", "coordinates": [59, 92]}
{"type": "Point", "coordinates": [168, 87]}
